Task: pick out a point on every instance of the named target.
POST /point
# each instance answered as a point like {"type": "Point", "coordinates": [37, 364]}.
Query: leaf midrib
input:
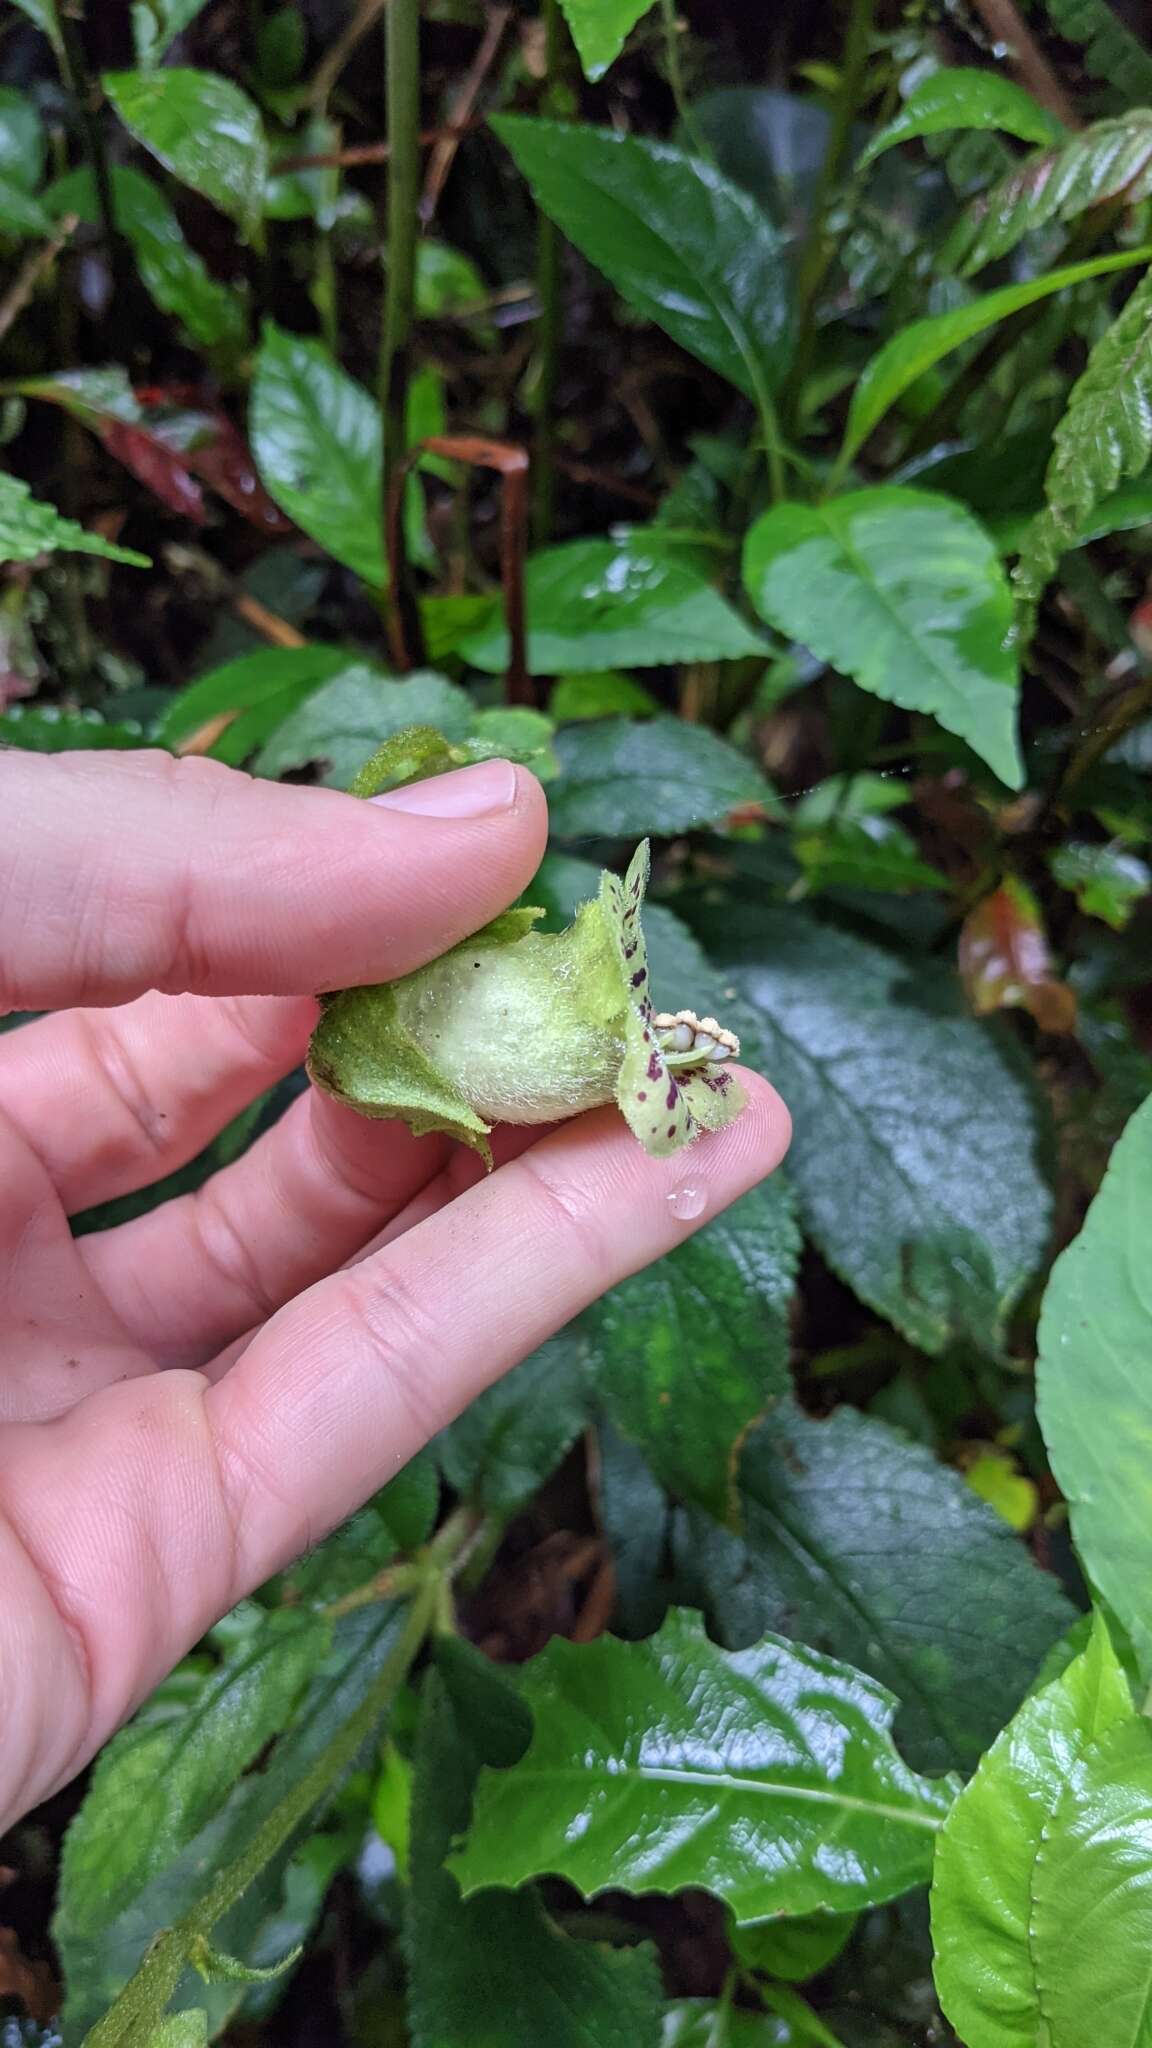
{"type": "Point", "coordinates": [728, 1781]}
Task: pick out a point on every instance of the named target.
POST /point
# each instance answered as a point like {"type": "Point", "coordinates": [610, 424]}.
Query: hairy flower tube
{"type": "Point", "coordinates": [525, 1027]}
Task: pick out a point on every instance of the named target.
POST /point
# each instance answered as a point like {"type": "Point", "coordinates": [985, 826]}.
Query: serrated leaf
{"type": "Point", "coordinates": [687, 1355]}
{"type": "Point", "coordinates": [964, 98]}
{"type": "Point", "coordinates": [203, 129]}
{"type": "Point", "coordinates": [903, 591]}
{"type": "Point", "coordinates": [668, 1763]}
{"type": "Point", "coordinates": [29, 528]}
{"type": "Point", "coordinates": [920, 345]}
{"type": "Point", "coordinates": [170, 268]}
{"type": "Point", "coordinates": [914, 1136]}
{"type": "Point", "coordinates": [1106, 881]}
{"type": "Point", "coordinates": [1111, 51]}
{"type": "Point", "coordinates": [261, 689]}
{"type": "Point", "coordinates": [687, 248]}
{"type": "Point", "coordinates": [988, 1875]}
{"type": "Point", "coordinates": [619, 777]}
{"type": "Point", "coordinates": [1096, 164]}
{"type": "Point", "coordinates": [600, 29]}
{"type": "Point", "coordinates": [630, 602]}
{"type": "Point", "coordinates": [352, 713]}
{"type": "Point", "coordinates": [509, 1440]}
{"type": "Point", "coordinates": [857, 1541]}
{"type": "Point", "coordinates": [486, 1972]}
{"type": "Point", "coordinates": [1094, 1385]}
{"type": "Point", "coordinates": [1105, 435]}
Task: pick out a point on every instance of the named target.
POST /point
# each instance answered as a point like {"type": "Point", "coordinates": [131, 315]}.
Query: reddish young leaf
{"type": "Point", "coordinates": [1005, 962]}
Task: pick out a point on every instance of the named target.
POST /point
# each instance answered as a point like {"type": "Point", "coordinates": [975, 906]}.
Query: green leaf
{"type": "Point", "coordinates": [600, 29]}
{"type": "Point", "coordinates": [1104, 436]}
{"type": "Point", "coordinates": [705, 2023]}
{"type": "Point", "coordinates": [1096, 164]}
{"type": "Point", "coordinates": [43, 13]}
{"type": "Point", "coordinates": [1106, 882]}
{"type": "Point", "coordinates": [668, 1763]}
{"type": "Point", "coordinates": [1111, 51]}
{"type": "Point", "coordinates": [858, 1542]}
{"type": "Point", "coordinates": [599, 693]}
{"type": "Point", "coordinates": [46, 729]}
{"type": "Point", "coordinates": [262, 688]}
{"type": "Point", "coordinates": [903, 591]}
{"type": "Point", "coordinates": [203, 129]}
{"type": "Point", "coordinates": [158, 1783]}
{"type": "Point", "coordinates": [341, 723]}
{"type": "Point", "coordinates": [170, 269]}
{"type": "Point", "coordinates": [864, 853]}
{"type": "Point", "coordinates": [686, 248]}
{"type": "Point", "coordinates": [990, 1861]}
{"type": "Point", "coordinates": [20, 212]}
{"type": "Point", "coordinates": [487, 1972]}
{"type": "Point", "coordinates": [620, 777]}
{"type": "Point", "coordinates": [510, 1440]}
{"type": "Point", "coordinates": [156, 25]}
{"type": "Point", "coordinates": [22, 141]}
{"type": "Point", "coordinates": [687, 1355]}
{"type": "Point", "coordinates": [398, 1519]}
{"type": "Point", "coordinates": [793, 1948]}
{"type": "Point", "coordinates": [29, 528]}
{"type": "Point", "coordinates": [180, 2030]}
{"type": "Point", "coordinates": [915, 1137]}
{"type": "Point", "coordinates": [950, 99]}
{"type": "Point", "coordinates": [316, 438]}
{"type": "Point", "coordinates": [630, 602]}
{"type": "Point", "coordinates": [916, 348]}
{"type": "Point", "coordinates": [1094, 1385]}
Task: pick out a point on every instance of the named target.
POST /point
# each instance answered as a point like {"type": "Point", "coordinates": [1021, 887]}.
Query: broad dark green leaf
{"type": "Point", "coordinates": [21, 213]}
{"type": "Point", "coordinates": [903, 591]}
{"type": "Point", "coordinates": [486, 1972]}
{"type": "Point", "coordinates": [262, 689]}
{"type": "Point", "coordinates": [170, 268]}
{"type": "Point", "coordinates": [869, 852]}
{"type": "Point", "coordinates": [1106, 882]}
{"type": "Point", "coordinates": [794, 1949]}
{"type": "Point", "coordinates": [29, 528]}
{"type": "Point", "coordinates": [964, 98]}
{"type": "Point", "coordinates": [46, 729]}
{"type": "Point", "coordinates": [705, 2023]}
{"type": "Point", "coordinates": [917, 347]}
{"type": "Point", "coordinates": [684, 246]}
{"type": "Point", "coordinates": [600, 29]}
{"type": "Point", "coordinates": [315, 435]}
{"type": "Point", "coordinates": [342, 722]}
{"type": "Point", "coordinates": [203, 129]}
{"type": "Point", "coordinates": [1110, 49]}
{"type": "Point", "coordinates": [22, 140]}
{"type": "Point", "coordinates": [915, 1137]}
{"type": "Point", "coordinates": [509, 1440]}
{"type": "Point", "coordinates": [670, 1762]}
{"type": "Point", "coordinates": [631, 603]}
{"type": "Point", "coordinates": [686, 1355]}
{"type": "Point", "coordinates": [599, 693]}
{"type": "Point", "coordinates": [156, 25]}
{"type": "Point", "coordinates": [859, 1543]}
{"type": "Point", "coordinates": [991, 1874]}
{"type": "Point", "coordinates": [1094, 1385]}
{"type": "Point", "coordinates": [619, 778]}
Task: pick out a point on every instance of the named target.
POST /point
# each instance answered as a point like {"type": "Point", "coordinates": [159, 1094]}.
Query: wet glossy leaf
{"type": "Point", "coordinates": [510, 1440]}
{"type": "Point", "coordinates": [684, 246]}
{"type": "Point", "coordinates": [1096, 164]}
{"type": "Point", "coordinates": [864, 853]}
{"type": "Point", "coordinates": [916, 348]}
{"type": "Point", "coordinates": [962, 98]}
{"type": "Point", "coordinates": [170, 268]}
{"type": "Point", "coordinates": [156, 25]}
{"type": "Point", "coordinates": [793, 1948]}
{"type": "Point", "coordinates": [767, 1776]}
{"type": "Point", "coordinates": [1094, 1385]}
{"type": "Point", "coordinates": [1005, 961]}
{"type": "Point", "coordinates": [316, 438]}
{"type": "Point", "coordinates": [599, 693]}
{"type": "Point", "coordinates": [857, 1541]}
{"type": "Point", "coordinates": [46, 729]}
{"type": "Point", "coordinates": [620, 777]}
{"type": "Point", "coordinates": [938, 1219]}
{"type": "Point", "coordinates": [687, 1355]}
{"type": "Point", "coordinates": [903, 591]}
{"type": "Point", "coordinates": [600, 29]}
{"type": "Point", "coordinates": [203, 129]}
{"type": "Point", "coordinates": [255, 693]}
{"type": "Point", "coordinates": [990, 1861]}
{"type": "Point", "coordinates": [489, 1971]}
{"type": "Point", "coordinates": [29, 528]}
{"type": "Point", "coordinates": [705, 2023]}
{"type": "Point", "coordinates": [627, 602]}
{"type": "Point", "coordinates": [1106, 882]}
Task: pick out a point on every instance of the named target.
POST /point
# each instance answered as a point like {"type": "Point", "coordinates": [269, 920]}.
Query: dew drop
{"type": "Point", "coordinates": [687, 1203]}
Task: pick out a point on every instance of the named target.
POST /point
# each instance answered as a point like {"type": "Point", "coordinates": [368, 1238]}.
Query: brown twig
{"type": "Point", "coordinates": [366, 152]}
{"type": "Point", "coordinates": [329, 70]}
{"type": "Point", "coordinates": [1004, 25]}
{"type": "Point", "coordinates": [29, 275]}
{"type": "Point", "coordinates": [460, 112]}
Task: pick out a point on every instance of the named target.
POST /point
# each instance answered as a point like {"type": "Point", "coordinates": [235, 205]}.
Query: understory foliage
{"type": "Point", "coordinates": [764, 1661]}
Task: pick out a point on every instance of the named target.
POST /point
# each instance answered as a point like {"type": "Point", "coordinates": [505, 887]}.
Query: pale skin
{"type": "Point", "coordinates": [190, 1400]}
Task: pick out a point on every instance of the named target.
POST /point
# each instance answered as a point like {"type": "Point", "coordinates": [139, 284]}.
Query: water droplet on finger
{"type": "Point", "coordinates": [687, 1203]}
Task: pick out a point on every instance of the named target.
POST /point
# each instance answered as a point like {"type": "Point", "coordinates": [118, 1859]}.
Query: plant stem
{"type": "Point", "coordinates": [402, 95]}
{"type": "Point", "coordinates": [82, 90]}
{"type": "Point", "coordinates": [549, 292]}
{"type": "Point", "coordinates": [818, 248]}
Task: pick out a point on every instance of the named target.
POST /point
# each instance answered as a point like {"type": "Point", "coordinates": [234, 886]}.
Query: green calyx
{"type": "Point", "coordinates": [525, 1027]}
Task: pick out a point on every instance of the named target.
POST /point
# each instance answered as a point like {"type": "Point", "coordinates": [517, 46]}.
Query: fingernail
{"type": "Point", "coordinates": [466, 793]}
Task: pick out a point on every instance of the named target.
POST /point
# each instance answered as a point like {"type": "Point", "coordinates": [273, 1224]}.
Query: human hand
{"type": "Point", "coordinates": [189, 1400]}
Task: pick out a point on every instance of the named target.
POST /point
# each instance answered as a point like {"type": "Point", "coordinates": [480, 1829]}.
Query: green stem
{"type": "Point", "coordinates": [819, 247]}
{"type": "Point", "coordinates": [402, 96]}
{"type": "Point", "coordinates": [144, 1998]}
{"type": "Point", "coordinates": [549, 292]}
{"type": "Point", "coordinates": [81, 88]}
{"type": "Point", "coordinates": [676, 78]}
